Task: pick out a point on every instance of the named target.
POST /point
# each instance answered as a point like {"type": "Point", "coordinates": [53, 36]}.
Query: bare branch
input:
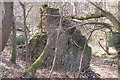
{"type": "Point", "coordinates": [89, 16]}
{"type": "Point", "coordinates": [29, 11]}
{"type": "Point", "coordinates": [103, 47]}
{"type": "Point", "coordinates": [109, 16]}
{"type": "Point", "coordinates": [83, 51]}
{"type": "Point", "coordinates": [106, 25]}
{"type": "Point", "coordinates": [21, 4]}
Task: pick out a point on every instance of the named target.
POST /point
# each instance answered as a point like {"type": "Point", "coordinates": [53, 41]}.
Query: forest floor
{"type": "Point", "coordinates": [105, 66]}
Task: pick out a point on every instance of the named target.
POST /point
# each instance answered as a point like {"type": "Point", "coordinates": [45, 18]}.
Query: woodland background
{"type": "Point", "coordinates": [60, 40]}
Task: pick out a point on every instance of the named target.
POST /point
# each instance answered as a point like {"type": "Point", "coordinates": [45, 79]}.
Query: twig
{"type": "Point", "coordinates": [103, 47]}
{"type": "Point", "coordinates": [29, 11]}
{"type": "Point", "coordinates": [81, 58]}
{"type": "Point", "coordinates": [108, 15]}
{"type": "Point", "coordinates": [56, 48]}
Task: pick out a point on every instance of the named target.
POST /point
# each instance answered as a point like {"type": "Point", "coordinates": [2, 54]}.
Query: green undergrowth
{"type": "Point", "coordinates": [21, 37]}
{"type": "Point", "coordinates": [114, 40]}
{"type": "Point", "coordinates": [37, 32]}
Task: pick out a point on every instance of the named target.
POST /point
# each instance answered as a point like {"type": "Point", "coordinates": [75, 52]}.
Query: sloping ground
{"type": "Point", "coordinates": [105, 66]}
{"type": "Point", "coordinates": [10, 70]}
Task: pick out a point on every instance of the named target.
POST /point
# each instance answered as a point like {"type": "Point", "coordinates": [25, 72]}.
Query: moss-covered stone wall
{"type": "Point", "coordinates": [70, 44]}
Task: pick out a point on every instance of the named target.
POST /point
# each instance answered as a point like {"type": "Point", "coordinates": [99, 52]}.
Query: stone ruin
{"type": "Point", "coordinates": [70, 44]}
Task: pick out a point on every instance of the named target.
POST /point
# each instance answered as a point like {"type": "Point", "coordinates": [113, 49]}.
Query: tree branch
{"type": "Point", "coordinates": [98, 23]}
{"type": "Point", "coordinates": [88, 16]}
{"type": "Point", "coordinates": [29, 11]}
{"type": "Point", "coordinates": [105, 25]}
{"type": "Point", "coordinates": [103, 48]}
{"type": "Point", "coordinates": [21, 4]}
{"type": "Point", "coordinates": [109, 16]}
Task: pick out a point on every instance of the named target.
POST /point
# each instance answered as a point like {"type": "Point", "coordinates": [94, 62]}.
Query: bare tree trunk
{"type": "Point", "coordinates": [7, 23]}
{"type": "Point", "coordinates": [25, 30]}
{"type": "Point", "coordinates": [13, 56]}
{"type": "Point", "coordinates": [0, 28]}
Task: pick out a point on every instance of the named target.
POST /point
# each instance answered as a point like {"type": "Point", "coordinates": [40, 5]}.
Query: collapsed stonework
{"type": "Point", "coordinates": [69, 45]}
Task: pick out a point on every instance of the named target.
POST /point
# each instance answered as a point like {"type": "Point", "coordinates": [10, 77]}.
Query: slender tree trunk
{"type": "Point", "coordinates": [119, 10]}
{"type": "Point", "coordinates": [119, 48]}
{"type": "Point", "coordinates": [25, 30]}
{"type": "Point", "coordinates": [7, 23]}
{"type": "Point", "coordinates": [13, 56]}
{"type": "Point", "coordinates": [0, 28]}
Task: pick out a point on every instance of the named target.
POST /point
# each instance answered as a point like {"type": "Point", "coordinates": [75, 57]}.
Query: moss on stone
{"type": "Point", "coordinates": [37, 32]}
{"type": "Point", "coordinates": [37, 63]}
{"type": "Point", "coordinates": [45, 5]}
